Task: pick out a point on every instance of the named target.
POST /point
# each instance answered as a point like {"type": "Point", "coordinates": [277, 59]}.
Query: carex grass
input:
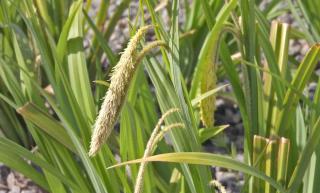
{"type": "Point", "coordinates": [148, 103]}
{"type": "Point", "coordinates": [119, 85]}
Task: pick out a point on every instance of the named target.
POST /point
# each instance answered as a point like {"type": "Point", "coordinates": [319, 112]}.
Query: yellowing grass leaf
{"type": "Point", "coordinates": [207, 159]}
{"type": "Point", "coordinates": [299, 82]}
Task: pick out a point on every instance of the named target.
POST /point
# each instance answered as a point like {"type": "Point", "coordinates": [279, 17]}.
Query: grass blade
{"type": "Point", "coordinates": [207, 159]}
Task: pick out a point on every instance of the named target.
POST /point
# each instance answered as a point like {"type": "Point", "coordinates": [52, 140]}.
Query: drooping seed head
{"type": "Point", "coordinates": [116, 94]}
{"type": "Point", "coordinates": [207, 105]}
{"type": "Point", "coordinates": [150, 145]}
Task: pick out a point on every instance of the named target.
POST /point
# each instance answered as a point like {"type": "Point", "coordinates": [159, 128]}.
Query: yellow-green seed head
{"type": "Point", "coordinates": [116, 94]}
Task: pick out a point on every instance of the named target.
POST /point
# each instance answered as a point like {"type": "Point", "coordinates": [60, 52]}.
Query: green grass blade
{"type": "Point", "coordinates": [101, 41]}
{"type": "Point", "coordinates": [251, 77]}
{"type": "Point", "coordinates": [21, 152]}
{"type": "Point", "coordinates": [17, 163]}
{"type": "Point", "coordinates": [214, 91]}
{"type": "Point", "coordinates": [62, 43]}
{"type": "Point", "coordinates": [207, 12]}
{"type": "Point", "coordinates": [46, 123]}
{"type": "Point", "coordinates": [299, 82]}
{"type": "Point", "coordinates": [304, 160]}
{"type": "Point", "coordinates": [207, 133]}
{"type": "Point", "coordinates": [78, 73]}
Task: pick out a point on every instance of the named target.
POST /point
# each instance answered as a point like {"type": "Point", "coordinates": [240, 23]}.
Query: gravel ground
{"type": "Point", "coordinates": [14, 182]}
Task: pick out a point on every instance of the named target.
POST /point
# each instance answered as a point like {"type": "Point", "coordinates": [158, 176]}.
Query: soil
{"type": "Point", "coordinates": [14, 182]}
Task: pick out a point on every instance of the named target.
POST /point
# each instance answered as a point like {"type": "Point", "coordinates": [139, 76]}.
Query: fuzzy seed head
{"type": "Point", "coordinates": [116, 94]}
{"type": "Point", "coordinates": [150, 145]}
{"type": "Point", "coordinates": [207, 105]}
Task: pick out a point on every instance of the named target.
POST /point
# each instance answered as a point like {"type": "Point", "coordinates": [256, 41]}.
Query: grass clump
{"type": "Point", "coordinates": [55, 61]}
